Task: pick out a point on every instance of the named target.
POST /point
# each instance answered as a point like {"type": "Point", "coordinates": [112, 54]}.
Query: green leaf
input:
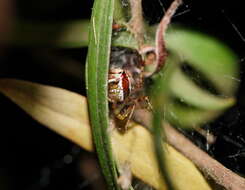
{"type": "Point", "coordinates": [212, 59]}
{"type": "Point", "coordinates": [96, 80]}
{"type": "Point", "coordinates": [67, 34]}
{"type": "Point", "coordinates": [183, 88]}
{"type": "Point", "coordinates": [184, 116]}
{"type": "Point", "coordinates": [209, 56]}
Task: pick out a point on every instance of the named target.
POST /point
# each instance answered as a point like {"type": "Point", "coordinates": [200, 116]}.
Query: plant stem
{"type": "Point", "coordinates": [136, 23]}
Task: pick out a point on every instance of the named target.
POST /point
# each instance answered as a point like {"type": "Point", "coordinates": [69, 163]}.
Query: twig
{"type": "Point", "coordinates": [209, 166]}
{"type": "Point", "coordinates": [161, 51]}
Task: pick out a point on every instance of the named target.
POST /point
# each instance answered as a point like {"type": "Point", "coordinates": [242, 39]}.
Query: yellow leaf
{"type": "Point", "coordinates": [60, 110]}
{"type": "Point", "coordinates": [66, 113]}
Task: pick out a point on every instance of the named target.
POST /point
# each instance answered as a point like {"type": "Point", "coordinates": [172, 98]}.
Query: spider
{"type": "Point", "coordinates": [126, 76]}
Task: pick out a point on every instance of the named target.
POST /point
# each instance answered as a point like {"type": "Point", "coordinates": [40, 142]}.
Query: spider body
{"type": "Point", "coordinates": [125, 83]}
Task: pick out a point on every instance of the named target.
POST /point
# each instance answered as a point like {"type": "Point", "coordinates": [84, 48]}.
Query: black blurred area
{"type": "Point", "coordinates": [34, 158]}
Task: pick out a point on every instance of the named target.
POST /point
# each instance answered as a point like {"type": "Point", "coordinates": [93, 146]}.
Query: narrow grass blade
{"type": "Point", "coordinates": [159, 98]}
{"type": "Point", "coordinates": [96, 80]}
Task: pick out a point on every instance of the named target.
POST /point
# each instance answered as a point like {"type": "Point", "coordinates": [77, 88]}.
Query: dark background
{"type": "Point", "coordinates": [32, 157]}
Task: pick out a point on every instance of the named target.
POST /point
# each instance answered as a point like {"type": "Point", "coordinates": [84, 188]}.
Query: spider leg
{"type": "Point", "coordinates": [123, 115]}
{"type": "Point", "coordinates": [144, 103]}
